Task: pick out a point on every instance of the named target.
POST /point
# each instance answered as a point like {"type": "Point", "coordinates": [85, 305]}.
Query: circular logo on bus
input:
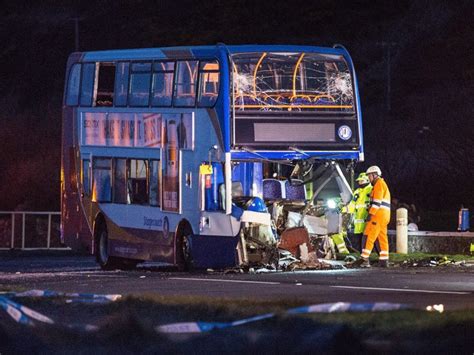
{"type": "Point", "coordinates": [166, 227]}
{"type": "Point", "coordinates": [344, 132]}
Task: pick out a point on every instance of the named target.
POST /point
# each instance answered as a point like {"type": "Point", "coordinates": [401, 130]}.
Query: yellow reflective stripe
{"type": "Point", "coordinates": [361, 206]}
{"type": "Point", "coordinates": [359, 221]}
{"type": "Point", "coordinates": [383, 257]}
{"type": "Point", "coordinates": [365, 253]}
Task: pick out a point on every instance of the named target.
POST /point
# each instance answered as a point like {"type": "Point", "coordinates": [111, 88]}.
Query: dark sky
{"type": "Point", "coordinates": [423, 144]}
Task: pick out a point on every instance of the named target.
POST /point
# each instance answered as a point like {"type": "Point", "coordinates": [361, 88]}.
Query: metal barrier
{"type": "Point", "coordinates": [39, 230]}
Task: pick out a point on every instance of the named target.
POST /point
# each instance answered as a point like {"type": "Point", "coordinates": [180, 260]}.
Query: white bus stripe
{"type": "Point", "coordinates": [403, 290]}
{"type": "Point", "coordinates": [219, 280]}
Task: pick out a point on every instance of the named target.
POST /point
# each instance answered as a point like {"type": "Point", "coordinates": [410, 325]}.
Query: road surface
{"type": "Point", "coordinates": [451, 286]}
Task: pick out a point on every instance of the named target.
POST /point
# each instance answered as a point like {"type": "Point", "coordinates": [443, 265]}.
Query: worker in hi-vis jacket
{"type": "Point", "coordinates": [359, 207]}
{"type": "Point", "coordinates": [377, 220]}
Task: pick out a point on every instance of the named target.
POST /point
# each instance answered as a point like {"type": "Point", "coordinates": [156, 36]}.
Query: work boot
{"type": "Point", "coordinates": [365, 263]}
{"type": "Point", "coordinates": [359, 263]}
{"type": "Point", "coordinates": [383, 263]}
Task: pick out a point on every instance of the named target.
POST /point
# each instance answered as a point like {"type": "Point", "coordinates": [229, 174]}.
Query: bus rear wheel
{"type": "Point", "coordinates": [103, 257]}
{"type": "Point", "coordinates": [105, 261]}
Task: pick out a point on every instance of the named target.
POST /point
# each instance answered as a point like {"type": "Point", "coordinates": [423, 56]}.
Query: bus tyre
{"type": "Point", "coordinates": [184, 256]}
{"type": "Point", "coordinates": [105, 261]}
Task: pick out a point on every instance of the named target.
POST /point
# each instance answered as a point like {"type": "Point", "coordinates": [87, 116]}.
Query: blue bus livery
{"type": "Point", "coordinates": [177, 154]}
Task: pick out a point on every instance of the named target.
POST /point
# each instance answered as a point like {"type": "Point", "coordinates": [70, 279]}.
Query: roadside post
{"type": "Point", "coordinates": [402, 231]}
{"type": "Point", "coordinates": [463, 224]}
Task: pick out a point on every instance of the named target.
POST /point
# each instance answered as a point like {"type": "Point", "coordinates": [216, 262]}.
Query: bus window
{"type": "Point", "coordinates": [154, 182]}
{"type": "Point", "coordinates": [87, 84]}
{"type": "Point", "coordinates": [121, 83]}
{"type": "Point", "coordinates": [140, 80]}
{"type": "Point", "coordinates": [208, 83]}
{"type": "Point", "coordinates": [162, 86]}
{"type": "Point", "coordinates": [185, 84]}
{"type": "Point", "coordinates": [73, 85]}
{"type": "Point", "coordinates": [105, 85]}
{"type": "Point", "coordinates": [136, 185]}
{"type": "Point", "coordinates": [101, 184]}
{"type": "Point", "coordinates": [85, 178]}
{"type": "Point", "coordinates": [120, 181]}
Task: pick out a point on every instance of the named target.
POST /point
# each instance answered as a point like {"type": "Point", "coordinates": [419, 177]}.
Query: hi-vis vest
{"type": "Point", "coordinates": [361, 203]}
{"type": "Point", "coordinates": [380, 202]}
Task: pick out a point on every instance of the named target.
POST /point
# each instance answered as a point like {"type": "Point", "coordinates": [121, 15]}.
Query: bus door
{"type": "Point", "coordinates": [85, 211]}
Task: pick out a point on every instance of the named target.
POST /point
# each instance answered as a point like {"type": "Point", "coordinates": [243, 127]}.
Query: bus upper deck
{"type": "Point", "coordinates": [278, 100]}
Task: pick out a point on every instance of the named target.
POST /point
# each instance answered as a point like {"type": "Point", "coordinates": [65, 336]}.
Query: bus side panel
{"type": "Point", "coordinates": [139, 244]}
{"type": "Point", "coordinates": [139, 232]}
{"type": "Point", "coordinates": [210, 251]}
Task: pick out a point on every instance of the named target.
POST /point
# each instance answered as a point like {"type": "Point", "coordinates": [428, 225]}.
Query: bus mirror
{"type": "Point", "coordinates": [212, 149]}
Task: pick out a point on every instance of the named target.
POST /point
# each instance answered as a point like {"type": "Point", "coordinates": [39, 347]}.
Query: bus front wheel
{"type": "Point", "coordinates": [184, 256]}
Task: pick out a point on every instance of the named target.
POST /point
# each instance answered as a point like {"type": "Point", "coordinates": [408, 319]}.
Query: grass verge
{"type": "Point", "coordinates": [127, 326]}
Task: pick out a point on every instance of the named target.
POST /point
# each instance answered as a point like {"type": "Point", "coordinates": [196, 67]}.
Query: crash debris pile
{"type": "Point", "coordinates": [301, 236]}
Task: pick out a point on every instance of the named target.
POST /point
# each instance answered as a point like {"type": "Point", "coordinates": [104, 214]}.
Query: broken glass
{"type": "Point", "coordinates": [292, 82]}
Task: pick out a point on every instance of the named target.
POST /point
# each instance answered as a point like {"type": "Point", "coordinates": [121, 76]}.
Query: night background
{"type": "Point", "coordinates": [414, 61]}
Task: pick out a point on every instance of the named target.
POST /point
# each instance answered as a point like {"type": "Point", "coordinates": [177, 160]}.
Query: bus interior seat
{"type": "Point", "coordinates": [246, 100]}
{"type": "Point", "coordinates": [272, 189]}
{"type": "Point", "coordinates": [237, 189]}
{"type": "Point", "coordinates": [295, 191]}
{"type": "Point", "coordinates": [323, 100]}
{"type": "Point", "coordinates": [301, 100]}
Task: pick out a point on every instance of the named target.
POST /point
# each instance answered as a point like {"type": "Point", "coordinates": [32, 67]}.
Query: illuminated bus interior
{"type": "Point", "coordinates": [292, 81]}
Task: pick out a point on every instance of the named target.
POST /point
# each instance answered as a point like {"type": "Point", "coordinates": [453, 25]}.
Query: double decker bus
{"type": "Point", "coordinates": [169, 154]}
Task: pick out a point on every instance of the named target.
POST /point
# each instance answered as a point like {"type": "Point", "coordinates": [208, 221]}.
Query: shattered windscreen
{"type": "Point", "coordinates": [292, 82]}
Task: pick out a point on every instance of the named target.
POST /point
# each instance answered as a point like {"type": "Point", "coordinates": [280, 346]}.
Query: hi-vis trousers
{"type": "Point", "coordinates": [375, 230]}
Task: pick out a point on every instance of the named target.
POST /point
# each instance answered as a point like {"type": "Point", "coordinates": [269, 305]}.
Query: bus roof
{"type": "Point", "coordinates": [200, 52]}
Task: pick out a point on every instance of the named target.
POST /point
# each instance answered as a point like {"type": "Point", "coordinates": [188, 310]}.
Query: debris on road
{"type": "Point", "coordinates": [432, 261]}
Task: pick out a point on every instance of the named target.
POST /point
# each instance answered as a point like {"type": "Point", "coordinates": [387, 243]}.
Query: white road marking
{"type": "Point", "coordinates": [52, 274]}
{"type": "Point", "coordinates": [219, 280]}
{"type": "Point", "coordinates": [402, 290]}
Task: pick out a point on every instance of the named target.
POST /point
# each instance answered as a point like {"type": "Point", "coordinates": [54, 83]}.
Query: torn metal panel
{"type": "Point", "coordinates": [292, 238]}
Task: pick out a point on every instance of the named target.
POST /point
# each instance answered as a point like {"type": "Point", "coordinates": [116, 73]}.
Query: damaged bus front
{"type": "Point", "coordinates": [295, 136]}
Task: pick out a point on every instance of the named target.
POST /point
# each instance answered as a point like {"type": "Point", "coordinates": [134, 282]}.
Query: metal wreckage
{"type": "Point", "coordinates": [298, 233]}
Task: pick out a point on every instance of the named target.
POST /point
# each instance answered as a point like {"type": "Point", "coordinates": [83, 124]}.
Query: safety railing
{"type": "Point", "coordinates": [28, 230]}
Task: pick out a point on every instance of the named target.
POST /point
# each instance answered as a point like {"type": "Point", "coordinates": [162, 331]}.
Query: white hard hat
{"type": "Point", "coordinates": [374, 169]}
